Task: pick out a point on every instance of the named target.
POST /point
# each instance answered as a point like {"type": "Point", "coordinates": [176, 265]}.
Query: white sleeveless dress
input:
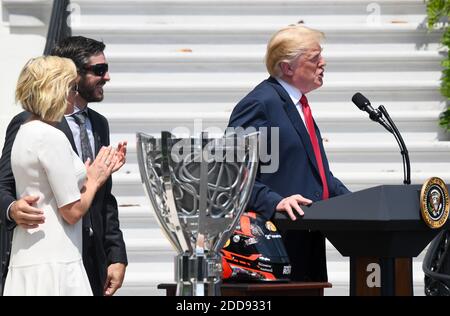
{"type": "Point", "coordinates": [47, 260]}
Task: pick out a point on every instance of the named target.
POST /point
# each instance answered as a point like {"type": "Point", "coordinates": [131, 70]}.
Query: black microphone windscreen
{"type": "Point", "coordinates": [360, 101]}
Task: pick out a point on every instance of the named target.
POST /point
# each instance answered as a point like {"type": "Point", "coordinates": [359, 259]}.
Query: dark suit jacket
{"type": "Point", "coordinates": [106, 246]}
{"type": "Point", "coordinates": [269, 105]}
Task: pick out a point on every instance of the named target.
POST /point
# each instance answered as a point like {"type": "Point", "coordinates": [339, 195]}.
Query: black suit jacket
{"type": "Point", "coordinates": [106, 246]}
{"type": "Point", "coordinates": [267, 106]}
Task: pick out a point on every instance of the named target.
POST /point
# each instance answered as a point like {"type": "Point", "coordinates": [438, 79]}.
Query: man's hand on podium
{"type": "Point", "coordinates": [291, 203]}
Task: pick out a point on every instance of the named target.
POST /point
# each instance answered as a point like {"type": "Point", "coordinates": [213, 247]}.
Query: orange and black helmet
{"type": "Point", "coordinates": [255, 252]}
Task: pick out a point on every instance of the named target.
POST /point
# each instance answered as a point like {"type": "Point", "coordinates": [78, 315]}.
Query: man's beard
{"type": "Point", "coordinates": [87, 92]}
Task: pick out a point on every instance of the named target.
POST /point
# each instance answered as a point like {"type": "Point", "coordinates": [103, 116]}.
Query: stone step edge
{"type": "Point", "coordinates": [350, 177]}
{"type": "Point", "coordinates": [215, 57]}
{"type": "Point", "coordinates": [432, 147]}
{"type": "Point", "coordinates": [231, 2]}
{"type": "Point", "coordinates": [186, 88]}
{"type": "Point", "coordinates": [341, 29]}
{"type": "Point", "coordinates": [335, 116]}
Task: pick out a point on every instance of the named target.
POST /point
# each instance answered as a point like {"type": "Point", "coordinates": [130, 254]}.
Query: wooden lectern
{"type": "Point", "coordinates": [380, 229]}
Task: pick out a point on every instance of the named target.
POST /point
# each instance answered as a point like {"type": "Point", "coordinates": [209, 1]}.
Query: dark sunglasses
{"type": "Point", "coordinates": [98, 69]}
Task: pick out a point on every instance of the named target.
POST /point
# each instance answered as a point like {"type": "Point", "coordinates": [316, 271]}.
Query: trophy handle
{"type": "Point", "coordinates": [252, 141]}
{"type": "Point", "coordinates": [142, 139]}
{"type": "Point", "coordinates": [170, 197]}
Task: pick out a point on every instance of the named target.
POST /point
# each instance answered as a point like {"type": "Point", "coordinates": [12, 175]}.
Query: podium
{"type": "Point", "coordinates": [379, 228]}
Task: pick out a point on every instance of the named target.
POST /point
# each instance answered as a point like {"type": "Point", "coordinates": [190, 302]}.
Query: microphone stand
{"type": "Point", "coordinates": [398, 137]}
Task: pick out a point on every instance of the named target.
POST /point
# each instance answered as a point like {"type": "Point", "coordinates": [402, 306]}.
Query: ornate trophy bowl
{"type": "Point", "coordinates": [199, 188]}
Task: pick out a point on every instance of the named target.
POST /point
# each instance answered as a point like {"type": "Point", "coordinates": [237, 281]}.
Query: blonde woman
{"type": "Point", "coordinates": [47, 259]}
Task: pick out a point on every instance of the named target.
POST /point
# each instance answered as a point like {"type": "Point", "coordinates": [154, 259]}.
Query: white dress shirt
{"type": "Point", "coordinates": [295, 96]}
{"type": "Point", "coordinates": [75, 128]}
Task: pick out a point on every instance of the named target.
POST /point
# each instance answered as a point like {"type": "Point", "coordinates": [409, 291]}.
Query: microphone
{"type": "Point", "coordinates": [377, 115]}
{"type": "Point", "coordinates": [364, 105]}
{"type": "Point", "coordinates": [374, 114]}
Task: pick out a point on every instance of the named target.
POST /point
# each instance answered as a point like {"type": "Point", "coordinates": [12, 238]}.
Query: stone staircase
{"type": "Point", "coordinates": [186, 63]}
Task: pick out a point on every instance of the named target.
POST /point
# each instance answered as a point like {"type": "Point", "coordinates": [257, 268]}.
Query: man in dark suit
{"type": "Point", "coordinates": [104, 254]}
{"type": "Point", "coordinates": [279, 109]}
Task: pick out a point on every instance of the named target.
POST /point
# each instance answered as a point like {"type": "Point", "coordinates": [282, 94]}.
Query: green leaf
{"type": "Point", "coordinates": [445, 120]}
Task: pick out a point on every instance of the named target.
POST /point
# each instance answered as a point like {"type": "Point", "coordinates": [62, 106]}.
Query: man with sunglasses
{"type": "Point", "coordinates": [104, 253]}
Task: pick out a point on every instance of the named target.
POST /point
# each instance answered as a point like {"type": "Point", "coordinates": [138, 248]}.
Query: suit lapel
{"type": "Point", "coordinates": [97, 138]}
{"type": "Point", "coordinates": [64, 127]}
{"type": "Point", "coordinates": [296, 121]}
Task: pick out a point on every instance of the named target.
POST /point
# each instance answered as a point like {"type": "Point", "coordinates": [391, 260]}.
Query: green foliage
{"type": "Point", "coordinates": [437, 10]}
{"type": "Point", "coordinates": [438, 17]}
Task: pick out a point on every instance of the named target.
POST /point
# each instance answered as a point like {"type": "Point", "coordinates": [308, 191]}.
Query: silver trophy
{"type": "Point", "coordinates": [199, 188]}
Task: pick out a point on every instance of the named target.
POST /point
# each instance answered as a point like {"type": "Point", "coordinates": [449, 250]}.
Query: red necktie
{"type": "Point", "coordinates": [312, 135]}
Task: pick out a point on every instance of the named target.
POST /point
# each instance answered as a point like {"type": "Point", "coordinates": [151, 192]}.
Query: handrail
{"type": "Point", "coordinates": [58, 27]}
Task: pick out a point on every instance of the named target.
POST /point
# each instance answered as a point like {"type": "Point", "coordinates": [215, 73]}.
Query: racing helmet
{"type": "Point", "coordinates": [255, 252]}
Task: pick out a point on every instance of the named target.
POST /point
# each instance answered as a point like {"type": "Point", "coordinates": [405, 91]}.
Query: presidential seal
{"type": "Point", "coordinates": [434, 204]}
{"type": "Point", "coordinates": [270, 226]}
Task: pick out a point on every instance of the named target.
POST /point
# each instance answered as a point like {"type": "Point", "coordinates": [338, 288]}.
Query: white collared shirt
{"type": "Point", "coordinates": [295, 96]}
{"type": "Point", "coordinates": [75, 128]}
